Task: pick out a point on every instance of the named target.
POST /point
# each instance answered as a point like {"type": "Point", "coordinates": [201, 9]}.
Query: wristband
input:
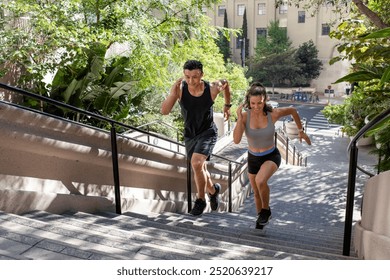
{"type": "Point", "coordinates": [228, 105]}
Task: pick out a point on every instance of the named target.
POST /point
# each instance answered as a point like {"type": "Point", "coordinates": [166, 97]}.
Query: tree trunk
{"type": "Point", "coordinates": [373, 17]}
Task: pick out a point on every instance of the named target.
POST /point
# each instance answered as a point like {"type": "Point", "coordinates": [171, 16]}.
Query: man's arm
{"type": "Point", "coordinates": [174, 95]}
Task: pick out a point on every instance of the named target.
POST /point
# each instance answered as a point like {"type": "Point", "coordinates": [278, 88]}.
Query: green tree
{"type": "Point", "coordinates": [245, 40]}
{"type": "Point", "coordinates": [223, 40]}
{"type": "Point", "coordinates": [307, 56]}
{"type": "Point", "coordinates": [276, 42]}
{"type": "Point", "coordinates": [276, 69]}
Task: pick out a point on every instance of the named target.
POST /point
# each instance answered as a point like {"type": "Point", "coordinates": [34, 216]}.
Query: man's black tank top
{"type": "Point", "coordinates": [197, 111]}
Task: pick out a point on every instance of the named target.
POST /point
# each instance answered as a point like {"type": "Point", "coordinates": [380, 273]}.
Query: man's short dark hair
{"type": "Point", "coordinates": [192, 65]}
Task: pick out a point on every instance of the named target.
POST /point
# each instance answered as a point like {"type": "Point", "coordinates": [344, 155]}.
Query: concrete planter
{"type": "Point", "coordinates": [364, 141]}
{"type": "Point", "coordinates": [291, 128]}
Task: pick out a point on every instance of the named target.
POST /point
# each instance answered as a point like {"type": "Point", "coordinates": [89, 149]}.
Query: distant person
{"type": "Point", "coordinates": [196, 98]}
{"type": "Point", "coordinates": [258, 123]}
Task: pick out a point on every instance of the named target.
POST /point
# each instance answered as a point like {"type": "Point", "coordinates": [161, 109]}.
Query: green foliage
{"type": "Point", "coordinates": [307, 57]}
{"type": "Point", "coordinates": [276, 63]}
{"type": "Point", "coordinates": [371, 73]}
{"type": "Point", "coordinates": [223, 39]}
{"type": "Point", "coordinates": [275, 69]}
{"type": "Point", "coordinates": [276, 42]}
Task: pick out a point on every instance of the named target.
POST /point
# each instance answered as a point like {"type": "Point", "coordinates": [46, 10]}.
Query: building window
{"type": "Point", "coordinates": [325, 29]}
{"type": "Point", "coordinates": [221, 10]}
{"type": "Point", "coordinates": [240, 9]}
{"type": "Point", "coordinates": [261, 32]}
{"type": "Point", "coordinates": [301, 16]}
{"type": "Point", "coordinates": [283, 8]}
{"type": "Point", "coordinates": [261, 9]}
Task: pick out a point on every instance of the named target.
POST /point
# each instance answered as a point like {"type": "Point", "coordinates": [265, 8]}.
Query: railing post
{"type": "Point", "coordinates": [350, 198]}
{"type": "Point", "coordinates": [276, 139]}
{"type": "Point", "coordinates": [293, 155]}
{"type": "Point", "coordinates": [115, 168]}
{"type": "Point", "coordinates": [287, 143]}
{"type": "Point", "coordinates": [230, 186]}
{"type": "Point", "coordinates": [189, 191]}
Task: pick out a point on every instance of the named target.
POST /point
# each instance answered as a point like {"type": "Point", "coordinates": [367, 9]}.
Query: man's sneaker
{"type": "Point", "coordinates": [214, 197]}
{"type": "Point", "coordinates": [199, 207]}
{"type": "Point", "coordinates": [264, 217]}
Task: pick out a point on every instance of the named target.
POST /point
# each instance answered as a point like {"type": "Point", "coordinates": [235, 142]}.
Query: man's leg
{"type": "Point", "coordinates": [201, 175]}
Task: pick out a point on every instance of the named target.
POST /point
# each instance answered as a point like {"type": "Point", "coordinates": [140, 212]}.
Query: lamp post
{"type": "Point", "coordinates": [243, 51]}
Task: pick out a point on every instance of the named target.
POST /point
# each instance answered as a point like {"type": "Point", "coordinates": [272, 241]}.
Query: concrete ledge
{"type": "Point", "coordinates": [370, 245]}
{"type": "Point", "coordinates": [372, 233]}
{"type": "Point", "coordinates": [20, 202]}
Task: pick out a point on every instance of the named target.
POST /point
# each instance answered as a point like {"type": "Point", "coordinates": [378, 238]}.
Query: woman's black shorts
{"type": "Point", "coordinates": [255, 162]}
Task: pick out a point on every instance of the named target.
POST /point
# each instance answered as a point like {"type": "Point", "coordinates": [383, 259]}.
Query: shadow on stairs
{"type": "Point", "coordinates": [41, 235]}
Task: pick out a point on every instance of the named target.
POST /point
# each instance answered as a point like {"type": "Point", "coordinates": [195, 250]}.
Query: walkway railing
{"type": "Point", "coordinates": [353, 166]}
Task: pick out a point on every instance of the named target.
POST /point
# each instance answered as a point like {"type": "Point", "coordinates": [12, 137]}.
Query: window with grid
{"type": "Point", "coordinates": [261, 9]}
{"type": "Point", "coordinates": [325, 29]}
{"type": "Point", "coordinates": [240, 9]}
{"type": "Point", "coordinates": [301, 16]}
{"type": "Point", "coordinates": [283, 8]}
{"type": "Point", "coordinates": [261, 32]}
{"type": "Point", "coordinates": [221, 10]}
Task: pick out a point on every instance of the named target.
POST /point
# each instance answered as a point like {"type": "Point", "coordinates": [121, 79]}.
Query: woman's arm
{"type": "Point", "coordinates": [282, 112]}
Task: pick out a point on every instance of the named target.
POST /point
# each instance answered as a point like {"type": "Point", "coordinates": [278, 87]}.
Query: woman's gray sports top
{"type": "Point", "coordinates": [260, 138]}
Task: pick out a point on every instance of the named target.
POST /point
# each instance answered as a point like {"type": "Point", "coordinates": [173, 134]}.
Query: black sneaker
{"type": "Point", "coordinates": [257, 225]}
{"type": "Point", "coordinates": [264, 217]}
{"type": "Point", "coordinates": [199, 207]}
{"type": "Point", "coordinates": [214, 197]}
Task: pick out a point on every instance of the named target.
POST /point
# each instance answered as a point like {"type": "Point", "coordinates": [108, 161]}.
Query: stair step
{"type": "Point", "coordinates": [141, 231]}
{"type": "Point", "coordinates": [250, 236]}
{"type": "Point", "coordinates": [203, 232]}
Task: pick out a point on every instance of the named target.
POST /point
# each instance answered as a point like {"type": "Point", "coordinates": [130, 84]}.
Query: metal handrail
{"type": "Point", "coordinates": [290, 148]}
{"type": "Point", "coordinates": [353, 159]}
{"type": "Point", "coordinates": [113, 135]}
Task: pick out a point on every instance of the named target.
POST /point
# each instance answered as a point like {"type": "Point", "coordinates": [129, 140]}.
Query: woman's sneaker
{"type": "Point", "coordinates": [199, 207]}
{"type": "Point", "coordinates": [214, 197]}
{"type": "Point", "coordinates": [257, 225]}
{"type": "Point", "coordinates": [264, 217]}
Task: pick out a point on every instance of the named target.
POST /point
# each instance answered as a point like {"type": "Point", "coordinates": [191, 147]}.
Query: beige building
{"type": "Point", "coordinates": [301, 27]}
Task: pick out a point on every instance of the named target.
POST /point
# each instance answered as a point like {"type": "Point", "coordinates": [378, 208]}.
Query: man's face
{"type": "Point", "coordinates": [193, 77]}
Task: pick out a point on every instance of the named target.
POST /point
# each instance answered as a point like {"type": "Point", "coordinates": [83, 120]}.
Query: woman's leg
{"type": "Point", "coordinates": [256, 193]}
{"type": "Point", "coordinates": [267, 169]}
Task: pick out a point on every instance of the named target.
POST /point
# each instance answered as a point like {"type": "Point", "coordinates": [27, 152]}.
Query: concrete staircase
{"type": "Point", "coordinates": [134, 236]}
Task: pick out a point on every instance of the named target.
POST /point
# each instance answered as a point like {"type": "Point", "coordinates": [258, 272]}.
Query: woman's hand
{"type": "Point", "coordinates": [239, 113]}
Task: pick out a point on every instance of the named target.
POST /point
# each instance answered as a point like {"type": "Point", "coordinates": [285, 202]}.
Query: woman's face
{"type": "Point", "coordinates": [256, 102]}
{"type": "Point", "coordinates": [193, 77]}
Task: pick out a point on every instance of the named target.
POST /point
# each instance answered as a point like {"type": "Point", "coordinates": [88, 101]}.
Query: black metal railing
{"type": "Point", "coordinates": [353, 166]}
{"type": "Point", "coordinates": [298, 158]}
{"type": "Point", "coordinates": [113, 137]}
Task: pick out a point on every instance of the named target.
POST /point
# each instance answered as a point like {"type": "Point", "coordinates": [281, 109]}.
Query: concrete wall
{"type": "Point", "coordinates": [372, 232]}
{"type": "Point", "coordinates": [50, 157]}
